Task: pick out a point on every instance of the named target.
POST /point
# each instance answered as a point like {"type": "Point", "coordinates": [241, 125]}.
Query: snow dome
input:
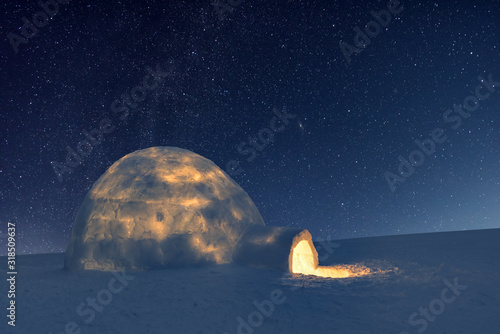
{"type": "Point", "coordinates": [160, 207]}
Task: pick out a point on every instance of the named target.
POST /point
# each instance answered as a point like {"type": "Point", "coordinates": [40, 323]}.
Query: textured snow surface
{"type": "Point", "coordinates": [160, 207]}
{"type": "Point", "coordinates": [211, 299]}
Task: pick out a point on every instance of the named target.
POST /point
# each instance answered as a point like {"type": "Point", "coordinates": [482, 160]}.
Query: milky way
{"type": "Point", "coordinates": [349, 119]}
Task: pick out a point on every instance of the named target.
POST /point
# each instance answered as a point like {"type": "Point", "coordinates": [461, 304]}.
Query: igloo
{"type": "Point", "coordinates": [165, 207]}
{"type": "Point", "coordinates": [159, 207]}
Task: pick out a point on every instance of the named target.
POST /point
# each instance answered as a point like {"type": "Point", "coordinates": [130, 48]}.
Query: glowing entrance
{"type": "Point", "coordinates": [304, 261]}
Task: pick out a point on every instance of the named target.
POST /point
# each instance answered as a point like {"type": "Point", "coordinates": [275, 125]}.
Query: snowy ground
{"type": "Point", "coordinates": [212, 299]}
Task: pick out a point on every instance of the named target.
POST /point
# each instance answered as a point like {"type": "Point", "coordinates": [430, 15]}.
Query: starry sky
{"type": "Point", "coordinates": [218, 73]}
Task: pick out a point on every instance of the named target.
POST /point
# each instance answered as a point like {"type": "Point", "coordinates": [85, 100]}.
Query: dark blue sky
{"type": "Point", "coordinates": [219, 78]}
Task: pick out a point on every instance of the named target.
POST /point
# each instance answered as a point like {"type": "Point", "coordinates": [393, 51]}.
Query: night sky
{"type": "Point", "coordinates": [216, 78]}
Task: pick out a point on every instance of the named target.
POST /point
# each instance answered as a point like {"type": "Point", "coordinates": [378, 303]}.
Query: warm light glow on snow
{"type": "Point", "coordinates": [303, 262]}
